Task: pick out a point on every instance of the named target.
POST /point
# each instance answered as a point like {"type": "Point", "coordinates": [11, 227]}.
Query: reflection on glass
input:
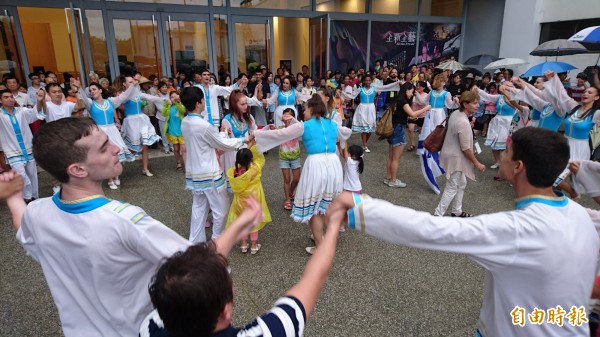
{"type": "Point", "coordinates": [398, 7]}
{"type": "Point", "coordinates": [136, 47]}
{"type": "Point", "coordinates": [47, 30]}
{"type": "Point", "coordinates": [251, 42]}
{"type": "Point", "coordinates": [348, 6]}
{"type": "Point", "coordinates": [318, 46]}
{"type": "Point", "coordinates": [276, 4]}
{"type": "Point", "coordinates": [442, 7]}
{"type": "Point", "coordinates": [222, 49]}
{"type": "Point", "coordinates": [175, 2]}
{"type": "Point", "coordinates": [10, 60]}
{"type": "Point", "coordinates": [98, 43]}
{"type": "Point", "coordinates": [188, 46]}
{"type": "Point", "coordinates": [218, 3]}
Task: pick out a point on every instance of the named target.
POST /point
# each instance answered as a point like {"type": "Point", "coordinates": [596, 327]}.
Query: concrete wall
{"type": "Point", "coordinates": [483, 28]}
{"type": "Point", "coordinates": [522, 24]}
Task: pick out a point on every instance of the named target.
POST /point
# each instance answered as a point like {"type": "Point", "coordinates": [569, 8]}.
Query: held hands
{"type": "Point", "coordinates": [574, 166]}
{"type": "Point", "coordinates": [11, 185]}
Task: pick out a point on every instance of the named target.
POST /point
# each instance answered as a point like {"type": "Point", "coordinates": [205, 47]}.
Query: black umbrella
{"type": "Point", "coordinates": [480, 61]}
{"type": "Point", "coordinates": [559, 47]}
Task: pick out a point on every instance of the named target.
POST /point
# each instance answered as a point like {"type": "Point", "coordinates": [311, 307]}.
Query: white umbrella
{"type": "Point", "coordinates": [451, 65]}
{"type": "Point", "coordinates": [506, 63]}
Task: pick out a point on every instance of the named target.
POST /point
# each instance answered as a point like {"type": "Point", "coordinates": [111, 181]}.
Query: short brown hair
{"type": "Point", "coordinates": [468, 97]}
{"type": "Point", "coordinates": [54, 146]}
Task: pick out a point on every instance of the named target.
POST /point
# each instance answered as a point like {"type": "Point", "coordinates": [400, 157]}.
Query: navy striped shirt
{"type": "Point", "coordinates": [286, 319]}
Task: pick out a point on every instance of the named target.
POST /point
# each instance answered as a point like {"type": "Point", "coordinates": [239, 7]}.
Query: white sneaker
{"type": "Point", "coordinates": [112, 185]}
{"type": "Point", "coordinates": [386, 181]}
{"type": "Point", "coordinates": [367, 150]}
{"type": "Point", "coordinates": [396, 183]}
{"type": "Point", "coordinates": [55, 189]}
{"type": "Point", "coordinates": [310, 250]}
{"type": "Point", "coordinates": [117, 181]}
{"type": "Point", "coordinates": [495, 166]}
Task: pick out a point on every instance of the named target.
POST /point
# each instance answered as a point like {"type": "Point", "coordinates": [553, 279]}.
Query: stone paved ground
{"type": "Point", "coordinates": [374, 289]}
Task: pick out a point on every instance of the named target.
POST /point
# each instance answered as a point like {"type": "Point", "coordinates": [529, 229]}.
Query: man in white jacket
{"type": "Point", "coordinates": [540, 259]}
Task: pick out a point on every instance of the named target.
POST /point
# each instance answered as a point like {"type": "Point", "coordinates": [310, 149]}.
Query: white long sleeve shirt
{"type": "Point", "coordinates": [541, 255]}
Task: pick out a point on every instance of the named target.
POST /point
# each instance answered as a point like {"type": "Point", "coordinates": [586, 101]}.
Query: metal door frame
{"type": "Point", "coordinates": [325, 27]}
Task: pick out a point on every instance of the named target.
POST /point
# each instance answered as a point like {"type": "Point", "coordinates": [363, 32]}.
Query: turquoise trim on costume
{"type": "Point", "coordinates": [82, 205]}
{"type": "Point", "coordinates": [206, 184]}
{"type": "Point", "coordinates": [17, 130]}
{"type": "Point", "coordinates": [351, 215]}
{"type": "Point", "coordinates": [133, 107]}
{"type": "Point", "coordinates": [559, 201]}
{"type": "Point", "coordinates": [207, 99]}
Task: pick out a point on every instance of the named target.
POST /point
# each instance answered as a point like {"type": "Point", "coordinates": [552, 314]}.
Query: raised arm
{"type": "Point", "coordinates": [394, 86]}
{"type": "Point", "coordinates": [223, 91]}
{"type": "Point", "coordinates": [317, 269]}
{"type": "Point", "coordinates": [302, 97]}
{"type": "Point", "coordinates": [220, 142]}
{"type": "Point", "coordinates": [487, 97]}
{"type": "Point", "coordinates": [268, 139]}
{"type": "Point", "coordinates": [253, 101]}
{"type": "Point", "coordinates": [450, 103]}
{"type": "Point", "coordinates": [37, 112]}
{"type": "Point", "coordinates": [132, 91]}
{"type": "Point", "coordinates": [529, 97]}
{"type": "Point", "coordinates": [158, 101]}
{"type": "Point", "coordinates": [352, 95]}
{"type": "Point", "coordinates": [557, 95]}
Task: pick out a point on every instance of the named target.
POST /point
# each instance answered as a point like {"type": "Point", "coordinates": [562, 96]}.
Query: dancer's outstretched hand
{"type": "Point", "coordinates": [11, 183]}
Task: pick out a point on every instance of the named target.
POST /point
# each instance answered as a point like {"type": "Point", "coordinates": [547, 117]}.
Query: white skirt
{"type": "Point", "coordinates": [498, 132]}
{"type": "Point", "coordinates": [580, 149]}
{"type": "Point", "coordinates": [138, 131]}
{"type": "Point", "coordinates": [279, 113]}
{"type": "Point", "coordinates": [433, 118]}
{"type": "Point", "coordinates": [115, 137]}
{"type": "Point", "coordinates": [320, 182]}
{"type": "Point", "coordinates": [364, 118]}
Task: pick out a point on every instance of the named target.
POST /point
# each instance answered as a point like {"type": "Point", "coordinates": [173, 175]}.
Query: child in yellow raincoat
{"type": "Point", "coordinates": [244, 179]}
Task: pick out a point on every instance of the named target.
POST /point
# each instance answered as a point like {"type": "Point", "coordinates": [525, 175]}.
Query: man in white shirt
{"type": "Point", "coordinates": [203, 174]}
{"type": "Point", "coordinates": [540, 259]}
{"type": "Point", "coordinates": [34, 87]}
{"type": "Point", "coordinates": [211, 93]}
{"type": "Point", "coordinates": [98, 255]}
{"type": "Point", "coordinates": [22, 99]}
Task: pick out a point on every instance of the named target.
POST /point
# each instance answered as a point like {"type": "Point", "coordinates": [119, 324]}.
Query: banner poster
{"type": "Point", "coordinates": [393, 43]}
{"type": "Point", "coordinates": [438, 42]}
{"type": "Point", "coordinates": [348, 45]}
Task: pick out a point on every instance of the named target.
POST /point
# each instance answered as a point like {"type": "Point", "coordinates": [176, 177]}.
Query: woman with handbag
{"type": "Point", "coordinates": [457, 156]}
{"type": "Point", "coordinates": [397, 141]}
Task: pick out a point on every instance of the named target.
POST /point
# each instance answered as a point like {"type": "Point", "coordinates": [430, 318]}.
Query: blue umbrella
{"type": "Point", "coordinates": [588, 35]}
{"type": "Point", "coordinates": [540, 69]}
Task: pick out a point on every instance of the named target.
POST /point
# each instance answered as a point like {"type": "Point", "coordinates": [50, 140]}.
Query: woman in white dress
{"type": "Point", "coordinates": [321, 179]}
{"type": "Point", "coordinates": [101, 109]}
{"type": "Point", "coordinates": [364, 118]}
{"type": "Point", "coordinates": [285, 98]}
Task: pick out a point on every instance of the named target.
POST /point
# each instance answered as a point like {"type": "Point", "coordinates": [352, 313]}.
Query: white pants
{"type": "Point", "coordinates": [216, 200]}
{"type": "Point", "coordinates": [453, 194]}
{"type": "Point", "coordinates": [163, 134]}
{"type": "Point", "coordinates": [28, 171]}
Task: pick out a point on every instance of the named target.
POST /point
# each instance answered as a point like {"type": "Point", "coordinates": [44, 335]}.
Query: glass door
{"type": "Point", "coordinates": [319, 53]}
{"type": "Point", "coordinates": [186, 43]}
{"type": "Point", "coordinates": [10, 58]}
{"type": "Point", "coordinates": [135, 39]}
{"type": "Point", "coordinates": [58, 32]}
{"type": "Point", "coordinates": [253, 45]}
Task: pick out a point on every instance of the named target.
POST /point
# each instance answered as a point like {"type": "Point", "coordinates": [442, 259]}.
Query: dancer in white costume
{"type": "Point", "coordinates": [517, 249]}
{"type": "Point", "coordinates": [286, 97]}
{"type": "Point", "coordinates": [438, 99]}
{"type": "Point", "coordinates": [364, 118]}
{"type": "Point", "coordinates": [212, 92]}
{"type": "Point", "coordinates": [16, 138]}
{"type": "Point", "coordinates": [321, 179]}
{"type": "Point", "coordinates": [101, 109]}
{"type": "Point", "coordinates": [203, 174]}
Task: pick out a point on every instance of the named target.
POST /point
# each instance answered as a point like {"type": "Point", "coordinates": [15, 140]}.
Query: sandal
{"type": "Point", "coordinates": [462, 215]}
{"type": "Point", "coordinates": [244, 249]}
{"type": "Point", "coordinates": [411, 148]}
{"type": "Point", "coordinates": [253, 251]}
{"type": "Point", "coordinates": [179, 167]}
{"type": "Point", "coordinates": [287, 206]}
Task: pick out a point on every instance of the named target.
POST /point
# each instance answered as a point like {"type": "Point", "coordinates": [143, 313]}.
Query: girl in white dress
{"type": "Point", "coordinates": [321, 179]}
{"type": "Point", "coordinates": [364, 118]}
{"type": "Point", "coordinates": [285, 98]}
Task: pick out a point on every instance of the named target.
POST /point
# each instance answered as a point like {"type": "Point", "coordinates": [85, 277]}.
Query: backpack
{"type": "Point", "coordinates": [385, 127]}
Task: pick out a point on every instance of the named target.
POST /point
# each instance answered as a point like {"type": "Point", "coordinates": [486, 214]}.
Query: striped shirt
{"type": "Point", "coordinates": [286, 319]}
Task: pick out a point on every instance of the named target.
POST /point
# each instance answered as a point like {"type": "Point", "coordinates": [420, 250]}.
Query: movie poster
{"type": "Point", "coordinates": [438, 42]}
{"type": "Point", "coordinates": [393, 43]}
{"type": "Point", "coordinates": [348, 45]}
